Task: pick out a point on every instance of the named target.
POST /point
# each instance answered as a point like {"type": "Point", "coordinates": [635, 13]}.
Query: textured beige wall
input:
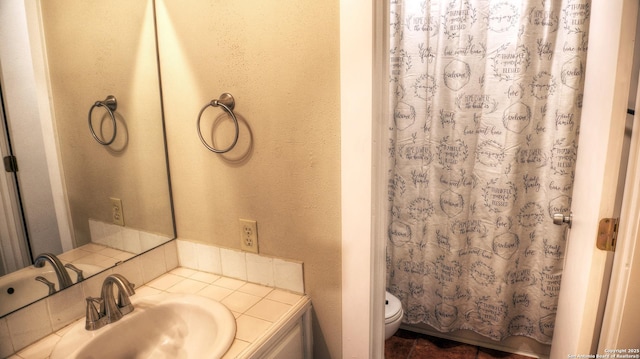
{"type": "Point", "coordinates": [280, 60]}
{"type": "Point", "coordinates": [95, 49]}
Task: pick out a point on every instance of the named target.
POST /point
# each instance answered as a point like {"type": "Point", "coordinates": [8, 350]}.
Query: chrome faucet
{"type": "Point", "coordinates": [110, 310]}
{"type": "Point", "coordinates": [63, 276]}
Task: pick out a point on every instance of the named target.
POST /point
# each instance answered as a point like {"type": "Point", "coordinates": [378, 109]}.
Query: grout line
{"type": "Point", "coordinates": [413, 347]}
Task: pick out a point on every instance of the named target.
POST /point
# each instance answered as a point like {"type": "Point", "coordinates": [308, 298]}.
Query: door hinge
{"type": "Point", "coordinates": [607, 234]}
{"type": "Point", "coordinates": [10, 164]}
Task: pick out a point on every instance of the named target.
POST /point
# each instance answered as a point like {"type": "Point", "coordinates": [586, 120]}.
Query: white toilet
{"type": "Point", "coordinates": [392, 315]}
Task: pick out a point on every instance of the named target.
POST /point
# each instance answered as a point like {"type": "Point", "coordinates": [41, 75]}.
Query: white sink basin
{"type": "Point", "coordinates": [161, 326]}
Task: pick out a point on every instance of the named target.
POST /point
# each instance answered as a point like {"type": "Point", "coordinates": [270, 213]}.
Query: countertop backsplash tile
{"type": "Point", "coordinates": [265, 270]}
{"type": "Point", "coordinates": [27, 326]}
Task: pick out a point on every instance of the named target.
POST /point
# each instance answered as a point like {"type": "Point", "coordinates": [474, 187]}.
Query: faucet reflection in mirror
{"type": "Point", "coordinates": [78, 271]}
{"type": "Point", "coordinates": [45, 281]}
{"type": "Point", "coordinates": [61, 273]}
{"type": "Point", "coordinates": [110, 244]}
{"type": "Point", "coordinates": [52, 274]}
{"type": "Point", "coordinates": [64, 280]}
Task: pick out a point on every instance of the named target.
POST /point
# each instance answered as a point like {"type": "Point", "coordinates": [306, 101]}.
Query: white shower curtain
{"type": "Point", "coordinates": [485, 98]}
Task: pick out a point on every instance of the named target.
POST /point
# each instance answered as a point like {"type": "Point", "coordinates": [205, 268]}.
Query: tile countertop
{"type": "Point", "coordinates": [257, 309]}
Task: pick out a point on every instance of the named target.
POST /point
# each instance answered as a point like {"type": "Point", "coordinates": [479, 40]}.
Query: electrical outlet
{"type": "Point", "coordinates": [248, 235]}
{"type": "Point", "coordinates": [116, 211]}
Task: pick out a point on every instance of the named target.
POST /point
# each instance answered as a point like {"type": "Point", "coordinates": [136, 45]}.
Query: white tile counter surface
{"type": "Point", "coordinates": [257, 308]}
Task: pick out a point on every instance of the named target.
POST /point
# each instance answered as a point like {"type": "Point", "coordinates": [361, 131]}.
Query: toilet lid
{"type": "Point", "coordinates": [393, 306]}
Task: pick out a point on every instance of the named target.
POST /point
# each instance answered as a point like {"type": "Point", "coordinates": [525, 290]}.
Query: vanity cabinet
{"type": "Point", "coordinates": [292, 340]}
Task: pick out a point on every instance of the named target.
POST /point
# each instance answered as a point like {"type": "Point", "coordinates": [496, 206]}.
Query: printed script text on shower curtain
{"type": "Point", "coordinates": [485, 107]}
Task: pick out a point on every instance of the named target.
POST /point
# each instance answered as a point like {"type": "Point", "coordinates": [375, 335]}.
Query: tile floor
{"type": "Point", "coordinates": [410, 345]}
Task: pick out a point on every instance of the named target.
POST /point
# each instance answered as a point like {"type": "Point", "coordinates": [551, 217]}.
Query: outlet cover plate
{"type": "Point", "coordinates": [117, 215]}
{"type": "Point", "coordinates": [248, 235]}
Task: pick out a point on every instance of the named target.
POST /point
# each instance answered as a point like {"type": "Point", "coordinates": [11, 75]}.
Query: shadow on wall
{"type": "Point", "coordinates": [220, 134]}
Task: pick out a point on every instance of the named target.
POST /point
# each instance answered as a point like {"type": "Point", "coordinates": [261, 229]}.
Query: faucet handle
{"type": "Point", "coordinates": [51, 286]}
{"type": "Point", "coordinates": [80, 276]}
{"type": "Point", "coordinates": [94, 316]}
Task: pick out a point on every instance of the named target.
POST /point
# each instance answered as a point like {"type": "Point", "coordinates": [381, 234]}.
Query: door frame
{"type": "Point", "coordinates": [605, 97]}
{"type": "Point", "coordinates": [618, 295]}
{"type": "Point", "coordinates": [622, 288]}
{"type": "Point", "coordinates": [45, 107]}
{"type": "Point", "coordinates": [602, 129]}
{"type": "Point", "coordinates": [13, 229]}
{"type": "Point", "coordinates": [14, 250]}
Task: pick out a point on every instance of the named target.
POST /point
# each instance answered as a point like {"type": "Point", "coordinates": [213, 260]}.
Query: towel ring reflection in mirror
{"type": "Point", "coordinates": [227, 102]}
{"type": "Point", "coordinates": [110, 104]}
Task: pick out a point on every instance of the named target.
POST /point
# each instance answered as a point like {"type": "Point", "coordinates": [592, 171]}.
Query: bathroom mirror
{"type": "Point", "coordinates": [96, 49]}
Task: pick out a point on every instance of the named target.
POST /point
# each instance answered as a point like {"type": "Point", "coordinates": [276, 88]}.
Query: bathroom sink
{"type": "Point", "coordinates": [160, 326]}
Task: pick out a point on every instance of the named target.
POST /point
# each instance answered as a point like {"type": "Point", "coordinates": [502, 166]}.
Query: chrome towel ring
{"type": "Point", "coordinates": [227, 102]}
{"type": "Point", "coordinates": [111, 104]}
